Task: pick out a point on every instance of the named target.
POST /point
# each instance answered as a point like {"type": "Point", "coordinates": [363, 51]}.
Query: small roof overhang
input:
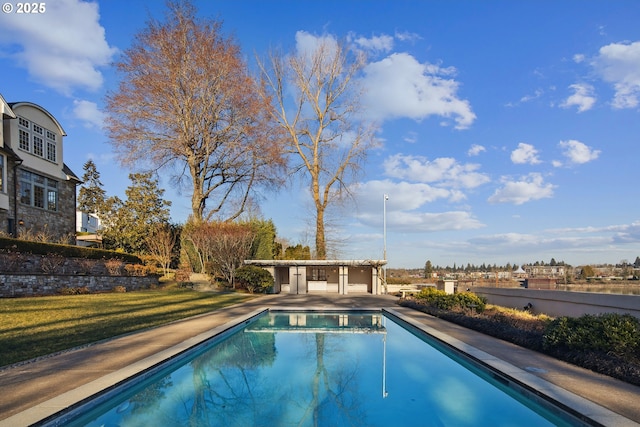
{"type": "Point", "coordinates": [70, 175]}
{"type": "Point", "coordinates": [5, 109]}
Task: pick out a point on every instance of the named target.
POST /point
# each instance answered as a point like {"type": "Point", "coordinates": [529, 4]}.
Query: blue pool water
{"type": "Point", "coordinates": [322, 369]}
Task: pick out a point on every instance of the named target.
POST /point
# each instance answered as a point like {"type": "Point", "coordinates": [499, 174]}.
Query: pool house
{"type": "Point", "coordinates": [325, 276]}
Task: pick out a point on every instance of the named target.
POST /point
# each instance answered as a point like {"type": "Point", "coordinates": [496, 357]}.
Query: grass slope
{"type": "Point", "coordinates": [33, 327]}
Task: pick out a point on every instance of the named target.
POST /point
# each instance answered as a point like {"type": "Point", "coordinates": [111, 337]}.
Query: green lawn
{"type": "Point", "coordinates": [32, 327]}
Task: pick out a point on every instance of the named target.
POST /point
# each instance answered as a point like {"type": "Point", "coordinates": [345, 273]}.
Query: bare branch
{"type": "Point", "coordinates": [187, 101]}
{"type": "Point", "coordinates": [316, 102]}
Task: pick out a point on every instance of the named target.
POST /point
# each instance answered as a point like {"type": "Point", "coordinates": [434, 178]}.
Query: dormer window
{"type": "Point", "coordinates": [37, 140]}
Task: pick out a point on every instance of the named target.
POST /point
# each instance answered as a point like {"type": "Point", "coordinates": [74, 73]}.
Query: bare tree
{"type": "Point", "coordinates": [160, 244]}
{"type": "Point", "coordinates": [316, 101]}
{"type": "Point", "coordinates": [230, 246]}
{"type": "Point", "coordinates": [221, 246]}
{"type": "Point", "coordinates": [187, 101]}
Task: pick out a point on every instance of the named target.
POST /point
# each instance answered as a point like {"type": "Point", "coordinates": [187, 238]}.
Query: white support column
{"type": "Point", "coordinates": [343, 281]}
{"type": "Point", "coordinates": [375, 281]}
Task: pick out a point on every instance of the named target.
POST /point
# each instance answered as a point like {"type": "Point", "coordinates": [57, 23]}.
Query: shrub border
{"type": "Point", "coordinates": [597, 361]}
{"type": "Point", "coordinates": [68, 251]}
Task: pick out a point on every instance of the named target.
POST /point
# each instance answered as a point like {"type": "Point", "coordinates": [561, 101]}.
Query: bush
{"type": "Point", "coordinates": [608, 343]}
{"type": "Point", "coordinates": [82, 290]}
{"type": "Point", "coordinates": [114, 266]}
{"type": "Point", "coordinates": [618, 334]}
{"type": "Point", "coordinates": [444, 301]}
{"type": "Point", "coordinates": [254, 279]}
{"type": "Point", "coordinates": [67, 251]}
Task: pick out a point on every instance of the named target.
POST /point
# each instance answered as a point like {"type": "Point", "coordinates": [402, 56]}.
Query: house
{"type": "Point", "coordinates": [87, 229]}
{"type": "Point", "coordinates": [37, 190]}
{"type": "Point", "coordinates": [325, 276]}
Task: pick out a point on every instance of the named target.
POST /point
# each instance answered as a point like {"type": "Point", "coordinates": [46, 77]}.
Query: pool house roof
{"type": "Point", "coordinates": [316, 262]}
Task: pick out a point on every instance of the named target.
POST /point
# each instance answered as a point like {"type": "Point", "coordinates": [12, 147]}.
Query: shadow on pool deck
{"type": "Point", "coordinates": [26, 386]}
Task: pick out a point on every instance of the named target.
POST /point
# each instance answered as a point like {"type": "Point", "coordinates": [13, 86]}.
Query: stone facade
{"type": "Point", "coordinates": [58, 226]}
{"type": "Point", "coordinates": [7, 215]}
{"type": "Point", "coordinates": [37, 189]}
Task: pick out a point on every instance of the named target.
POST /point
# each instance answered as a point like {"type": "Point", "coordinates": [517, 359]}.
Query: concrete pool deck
{"type": "Point", "coordinates": [32, 391]}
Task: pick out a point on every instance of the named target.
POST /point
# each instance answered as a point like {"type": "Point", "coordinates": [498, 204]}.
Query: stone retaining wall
{"type": "Point", "coordinates": [28, 285]}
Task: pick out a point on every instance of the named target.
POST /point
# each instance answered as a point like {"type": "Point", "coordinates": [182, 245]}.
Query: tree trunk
{"type": "Point", "coordinates": [321, 244]}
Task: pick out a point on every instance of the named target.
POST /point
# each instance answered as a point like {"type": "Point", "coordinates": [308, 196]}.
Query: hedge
{"type": "Point", "coordinates": [67, 251]}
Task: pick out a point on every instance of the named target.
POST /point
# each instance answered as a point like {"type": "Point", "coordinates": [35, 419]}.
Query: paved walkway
{"type": "Point", "coordinates": [26, 391]}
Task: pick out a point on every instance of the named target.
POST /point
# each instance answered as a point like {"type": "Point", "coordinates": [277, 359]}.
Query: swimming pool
{"type": "Point", "coordinates": [321, 368]}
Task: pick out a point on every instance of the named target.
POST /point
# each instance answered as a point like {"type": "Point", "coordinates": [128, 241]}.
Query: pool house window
{"type": "Point", "coordinates": [317, 274]}
{"type": "Point", "coordinates": [38, 191]}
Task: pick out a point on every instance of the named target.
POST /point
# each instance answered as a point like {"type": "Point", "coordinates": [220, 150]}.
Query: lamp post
{"type": "Point", "coordinates": [384, 237]}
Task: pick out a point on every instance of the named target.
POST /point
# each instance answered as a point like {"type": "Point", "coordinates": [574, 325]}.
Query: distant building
{"type": "Point", "coordinates": [87, 228]}
{"type": "Point", "coordinates": [519, 273]}
{"type": "Point", "coordinates": [545, 270]}
{"type": "Point", "coordinates": [37, 190]}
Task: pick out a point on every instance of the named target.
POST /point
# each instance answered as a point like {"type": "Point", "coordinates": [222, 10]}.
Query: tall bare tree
{"type": "Point", "coordinates": [316, 101]}
{"type": "Point", "coordinates": [187, 101]}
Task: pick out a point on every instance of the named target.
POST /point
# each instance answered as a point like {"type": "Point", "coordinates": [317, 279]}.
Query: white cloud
{"type": "Point", "coordinates": [381, 43]}
{"type": "Point", "coordinates": [405, 36]}
{"type": "Point", "coordinates": [578, 152]}
{"type": "Point", "coordinates": [307, 43]}
{"type": "Point", "coordinates": [578, 58]}
{"type": "Point", "coordinates": [537, 94]}
{"type": "Point", "coordinates": [430, 222]}
{"type": "Point", "coordinates": [528, 188]}
{"type": "Point", "coordinates": [582, 97]}
{"type": "Point", "coordinates": [405, 207]}
{"type": "Point", "coordinates": [402, 195]}
{"type": "Point", "coordinates": [619, 64]}
{"type": "Point", "coordinates": [66, 58]}
{"type": "Point", "coordinates": [525, 153]}
{"type": "Point", "coordinates": [411, 138]}
{"type": "Point", "coordinates": [445, 171]}
{"type": "Point", "coordinates": [475, 150]}
{"type": "Point", "coordinates": [400, 86]}
{"type": "Point", "coordinates": [89, 113]}
{"type": "Point", "coordinates": [505, 239]}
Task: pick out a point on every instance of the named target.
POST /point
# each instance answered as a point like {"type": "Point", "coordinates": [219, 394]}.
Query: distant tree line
{"type": "Point", "coordinates": [586, 270]}
{"type": "Point", "coordinates": [429, 268]}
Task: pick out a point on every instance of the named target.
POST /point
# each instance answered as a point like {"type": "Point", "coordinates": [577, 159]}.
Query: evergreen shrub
{"type": "Point", "coordinates": [444, 301]}
{"type": "Point", "coordinates": [254, 279]}
{"type": "Point", "coordinates": [67, 251]}
{"type": "Point", "coordinates": [609, 332]}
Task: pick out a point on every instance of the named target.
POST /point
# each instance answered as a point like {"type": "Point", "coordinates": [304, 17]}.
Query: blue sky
{"type": "Point", "coordinates": [509, 128]}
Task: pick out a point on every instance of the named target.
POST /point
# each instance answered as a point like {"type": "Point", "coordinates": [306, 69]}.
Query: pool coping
{"type": "Point", "coordinates": [552, 392]}
{"type": "Point", "coordinates": [46, 413]}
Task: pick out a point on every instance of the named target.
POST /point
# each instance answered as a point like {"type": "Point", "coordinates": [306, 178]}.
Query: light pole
{"type": "Point", "coordinates": [384, 237]}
